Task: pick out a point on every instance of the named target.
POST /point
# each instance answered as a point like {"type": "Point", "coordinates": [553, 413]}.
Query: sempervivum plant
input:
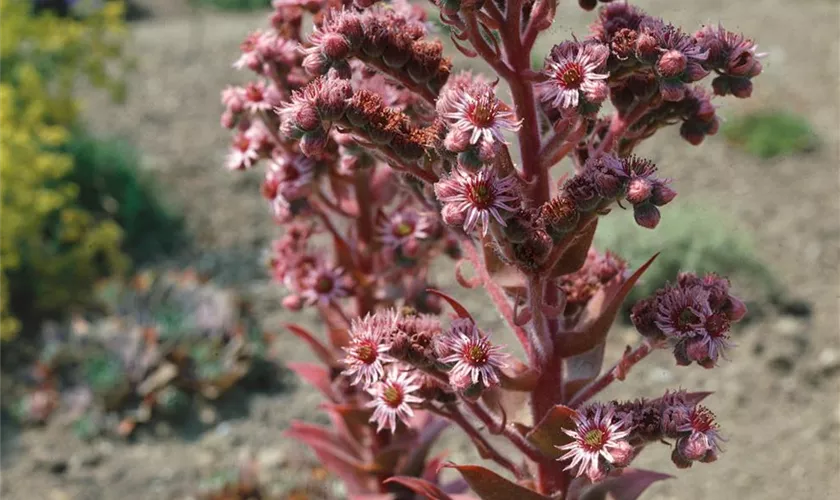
{"type": "Point", "coordinates": [379, 157]}
{"type": "Point", "coordinates": [168, 343]}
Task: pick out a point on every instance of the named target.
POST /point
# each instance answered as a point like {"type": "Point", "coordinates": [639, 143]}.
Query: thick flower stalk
{"type": "Point", "coordinates": [379, 158]}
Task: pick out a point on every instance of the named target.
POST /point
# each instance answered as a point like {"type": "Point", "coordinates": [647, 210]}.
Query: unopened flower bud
{"type": "Point", "coordinates": [411, 248]}
{"type": "Point", "coordinates": [671, 64]}
{"type": "Point", "coordinates": [693, 447]}
{"type": "Point", "coordinates": [646, 47]}
{"type": "Point", "coordinates": [332, 101]}
{"type": "Point", "coordinates": [741, 87]}
{"type": "Point", "coordinates": [396, 55]}
{"type": "Point", "coordinates": [452, 215]}
{"type": "Point", "coordinates": [691, 132]}
{"type": "Point", "coordinates": [694, 72]}
{"type": "Point", "coordinates": [335, 46]}
{"type": "Point", "coordinates": [559, 215]}
{"type": "Point", "coordinates": [582, 191]}
{"type": "Point", "coordinates": [735, 309]}
{"type": "Point", "coordinates": [678, 460]}
{"type": "Point", "coordinates": [375, 40]}
{"type": "Point", "coordinates": [457, 140]}
{"type": "Point", "coordinates": [623, 453]}
{"type": "Point", "coordinates": [315, 64]}
{"type": "Point", "coordinates": [352, 29]}
{"type": "Point", "coordinates": [597, 92]}
{"type": "Point", "coordinates": [406, 148]}
{"type": "Point", "coordinates": [639, 190]}
{"type": "Point", "coordinates": [313, 143]}
{"type": "Point", "coordinates": [720, 85]}
{"type": "Point", "coordinates": [532, 252]}
{"type": "Point", "coordinates": [587, 4]}
{"type": "Point", "coordinates": [306, 118]}
{"type": "Point", "coordinates": [646, 215]}
{"type": "Point", "coordinates": [228, 120]}
{"type": "Point", "coordinates": [643, 316]}
{"type": "Point", "coordinates": [662, 194]}
{"type": "Point", "coordinates": [293, 302]}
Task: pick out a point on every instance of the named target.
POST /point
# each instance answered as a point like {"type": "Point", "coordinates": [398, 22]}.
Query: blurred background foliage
{"type": "Point", "coordinates": [689, 238]}
{"type": "Point", "coordinates": [770, 133]}
{"type": "Point", "coordinates": [75, 208]}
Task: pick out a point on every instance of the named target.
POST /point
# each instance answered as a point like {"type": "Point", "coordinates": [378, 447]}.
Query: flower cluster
{"type": "Point", "coordinates": [379, 159]}
{"type": "Point", "coordinates": [608, 436]}
{"type": "Point", "coordinates": [695, 314]}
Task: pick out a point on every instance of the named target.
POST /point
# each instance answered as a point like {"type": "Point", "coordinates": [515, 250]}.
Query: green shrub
{"type": "Point", "coordinates": [111, 185]}
{"type": "Point", "coordinates": [771, 133]}
{"type": "Point", "coordinates": [690, 238]}
{"type": "Point", "coordinates": [235, 4]}
{"type": "Point", "coordinates": [51, 252]}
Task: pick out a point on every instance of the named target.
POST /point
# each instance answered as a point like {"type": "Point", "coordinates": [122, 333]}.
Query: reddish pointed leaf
{"type": "Point", "coordinates": [320, 438]}
{"type": "Point", "coordinates": [320, 350]}
{"type": "Point", "coordinates": [548, 433]}
{"type": "Point", "coordinates": [581, 369]}
{"type": "Point", "coordinates": [629, 485]}
{"type": "Point", "coordinates": [459, 309]}
{"type": "Point", "coordinates": [575, 256]}
{"type": "Point", "coordinates": [413, 466]}
{"type": "Point", "coordinates": [420, 486]}
{"type": "Point", "coordinates": [490, 486]}
{"type": "Point", "coordinates": [317, 376]}
{"type": "Point", "coordinates": [431, 471]}
{"type": "Point", "coordinates": [350, 421]}
{"type": "Point", "coordinates": [594, 332]}
{"type": "Point", "coordinates": [694, 398]}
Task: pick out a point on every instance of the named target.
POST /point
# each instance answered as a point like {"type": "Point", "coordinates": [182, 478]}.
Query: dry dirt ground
{"type": "Point", "coordinates": [777, 399]}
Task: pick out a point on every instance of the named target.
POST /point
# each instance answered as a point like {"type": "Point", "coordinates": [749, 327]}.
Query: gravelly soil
{"type": "Point", "coordinates": [777, 399]}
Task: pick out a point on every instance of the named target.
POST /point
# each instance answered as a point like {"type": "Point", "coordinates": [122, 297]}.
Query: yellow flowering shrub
{"type": "Point", "coordinates": [51, 251]}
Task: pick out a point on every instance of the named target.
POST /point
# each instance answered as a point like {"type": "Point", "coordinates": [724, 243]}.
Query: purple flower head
{"type": "Point", "coordinates": [597, 434]}
{"type": "Point", "coordinates": [575, 71]}
{"type": "Point", "coordinates": [476, 360]}
{"type": "Point", "coordinates": [469, 198]}
{"type": "Point", "coordinates": [482, 116]}
{"type": "Point", "coordinates": [369, 346]}
{"type": "Point", "coordinates": [393, 396]}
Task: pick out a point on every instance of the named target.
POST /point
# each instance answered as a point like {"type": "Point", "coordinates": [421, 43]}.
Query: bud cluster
{"type": "Point", "coordinates": [389, 40]}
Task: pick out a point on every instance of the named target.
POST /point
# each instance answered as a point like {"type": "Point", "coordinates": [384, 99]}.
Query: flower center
{"type": "Point", "coordinates": [703, 420]}
{"type": "Point", "coordinates": [403, 229]}
{"type": "Point", "coordinates": [324, 284]}
{"type": "Point", "coordinates": [483, 112]}
{"type": "Point", "coordinates": [685, 320]}
{"type": "Point", "coordinates": [480, 195]}
{"type": "Point", "coordinates": [593, 439]}
{"type": "Point", "coordinates": [392, 395]}
{"type": "Point", "coordinates": [366, 353]}
{"type": "Point", "coordinates": [242, 143]}
{"type": "Point", "coordinates": [476, 354]}
{"type": "Point", "coordinates": [253, 93]}
{"type": "Point", "coordinates": [571, 76]}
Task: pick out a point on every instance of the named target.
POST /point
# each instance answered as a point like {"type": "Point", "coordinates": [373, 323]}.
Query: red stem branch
{"type": "Point", "coordinates": [617, 372]}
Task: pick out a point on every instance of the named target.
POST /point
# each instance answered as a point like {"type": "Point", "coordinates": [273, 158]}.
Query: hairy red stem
{"type": "Point", "coordinates": [617, 372]}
